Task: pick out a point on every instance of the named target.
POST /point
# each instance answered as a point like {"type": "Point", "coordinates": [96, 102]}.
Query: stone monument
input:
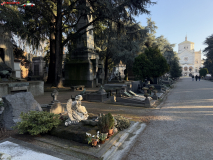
{"type": "Point", "coordinates": [6, 48]}
{"type": "Point", "coordinates": [76, 112]}
{"type": "Point", "coordinates": [84, 64]}
{"type": "Point", "coordinates": [55, 106]}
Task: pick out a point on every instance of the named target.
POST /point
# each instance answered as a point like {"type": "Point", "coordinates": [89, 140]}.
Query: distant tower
{"type": "Point", "coordinates": [186, 38]}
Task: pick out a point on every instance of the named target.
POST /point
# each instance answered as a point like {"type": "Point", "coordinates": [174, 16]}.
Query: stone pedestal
{"type": "Point", "coordinates": [56, 108]}
{"type": "Point", "coordinates": [147, 102]}
{"type": "Point", "coordinates": [82, 69]}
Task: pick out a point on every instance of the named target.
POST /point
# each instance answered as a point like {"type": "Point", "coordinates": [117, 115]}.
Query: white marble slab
{"type": "Point", "coordinates": [18, 152]}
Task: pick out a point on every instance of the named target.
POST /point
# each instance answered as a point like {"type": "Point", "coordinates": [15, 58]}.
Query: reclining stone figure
{"type": "Point", "coordinates": [76, 112]}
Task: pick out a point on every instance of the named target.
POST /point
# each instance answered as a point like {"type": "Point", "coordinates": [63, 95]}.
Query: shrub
{"type": "Point", "coordinates": [103, 124]}
{"type": "Point", "coordinates": [122, 122]}
{"type": "Point", "coordinates": [111, 120]}
{"type": "Point", "coordinates": [35, 122]}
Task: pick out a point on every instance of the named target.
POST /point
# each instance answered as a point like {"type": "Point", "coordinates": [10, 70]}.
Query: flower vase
{"type": "Point", "coordinates": [94, 142]}
{"type": "Point", "coordinates": [110, 132]}
{"type": "Point", "coordinates": [145, 89]}
{"type": "Point", "coordinates": [102, 141]}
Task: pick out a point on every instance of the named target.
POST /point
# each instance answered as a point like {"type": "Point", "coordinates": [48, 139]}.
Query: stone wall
{"type": "Point", "coordinates": [35, 87]}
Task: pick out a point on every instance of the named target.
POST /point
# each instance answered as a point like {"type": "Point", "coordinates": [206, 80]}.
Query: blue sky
{"type": "Point", "coordinates": [176, 18]}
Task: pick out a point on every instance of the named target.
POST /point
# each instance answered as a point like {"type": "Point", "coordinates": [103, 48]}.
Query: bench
{"type": "Point", "coordinates": [79, 87]}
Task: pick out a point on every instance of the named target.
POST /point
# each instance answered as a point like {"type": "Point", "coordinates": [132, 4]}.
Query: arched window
{"type": "Point", "coordinates": [185, 68]}
{"type": "Point", "coordinates": [190, 68]}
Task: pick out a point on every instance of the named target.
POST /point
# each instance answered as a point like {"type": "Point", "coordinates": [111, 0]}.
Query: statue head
{"type": "Point", "coordinates": [79, 98]}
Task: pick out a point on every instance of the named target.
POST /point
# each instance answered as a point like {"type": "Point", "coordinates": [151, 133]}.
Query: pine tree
{"type": "Point", "coordinates": [209, 54]}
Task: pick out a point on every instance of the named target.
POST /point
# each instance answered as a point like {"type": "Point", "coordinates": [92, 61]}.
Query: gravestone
{"type": "Point", "coordinates": [14, 105]}
{"type": "Point", "coordinates": [98, 96]}
{"type": "Point", "coordinates": [55, 106]}
{"type": "Point", "coordinates": [135, 86]}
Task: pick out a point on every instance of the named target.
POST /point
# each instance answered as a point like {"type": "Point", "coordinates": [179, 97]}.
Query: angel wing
{"type": "Point", "coordinates": [69, 108]}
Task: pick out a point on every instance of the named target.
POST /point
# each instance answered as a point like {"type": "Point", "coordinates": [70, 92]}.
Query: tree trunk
{"type": "Point", "coordinates": [58, 48]}
{"type": "Point", "coordinates": [106, 67]}
{"type": "Point", "coordinates": [51, 69]}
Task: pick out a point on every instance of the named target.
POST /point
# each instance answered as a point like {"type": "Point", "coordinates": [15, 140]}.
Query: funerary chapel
{"type": "Point", "coordinates": [189, 59]}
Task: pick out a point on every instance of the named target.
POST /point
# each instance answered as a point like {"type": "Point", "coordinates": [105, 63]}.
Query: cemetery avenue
{"type": "Point", "coordinates": [109, 80]}
{"type": "Point", "coordinates": [182, 128]}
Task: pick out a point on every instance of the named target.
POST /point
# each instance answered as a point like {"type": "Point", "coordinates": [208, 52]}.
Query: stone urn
{"type": "Point", "coordinates": [145, 90]}
{"type": "Point", "coordinates": [146, 95]}
{"type": "Point", "coordinates": [155, 97]}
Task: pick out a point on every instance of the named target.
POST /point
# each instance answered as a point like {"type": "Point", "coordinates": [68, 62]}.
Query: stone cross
{"type": "Point", "coordinates": [54, 94]}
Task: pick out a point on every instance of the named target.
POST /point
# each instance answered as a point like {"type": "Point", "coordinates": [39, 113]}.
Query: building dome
{"type": "Point", "coordinates": [186, 42]}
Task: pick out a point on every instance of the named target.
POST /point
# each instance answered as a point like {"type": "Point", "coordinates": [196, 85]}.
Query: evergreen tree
{"type": "Point", "coordinates": [175, 68]}
{"type": "Point", "coordinates": [151, 63]}
{"type": "Point", "coordinates": [64, 16]}
{"type": "Point", "coordinates": [203, 72]}
{"type": "Point", "coordinates": [209, 54]}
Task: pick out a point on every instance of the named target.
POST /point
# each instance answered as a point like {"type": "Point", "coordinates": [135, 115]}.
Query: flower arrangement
{"type": "Point", "coordinates": [103, 136]}
{"type": "Point", "coordinates": [92, 138]}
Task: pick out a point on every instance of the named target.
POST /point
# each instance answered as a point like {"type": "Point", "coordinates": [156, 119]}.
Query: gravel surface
{"type": "Point", "coordinates": [182, 128]}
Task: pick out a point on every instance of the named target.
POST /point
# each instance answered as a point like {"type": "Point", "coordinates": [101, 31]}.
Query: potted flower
{"type": "Point", "coordinates": [93, 139]}
{"type": "Point", "coordinates": [89, 138]}
{"type": "Point", "coordinates": [102, 138]}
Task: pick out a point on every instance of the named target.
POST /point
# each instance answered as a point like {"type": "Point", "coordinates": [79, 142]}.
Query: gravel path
{"type": "Point", "coordinates": [182, 128]}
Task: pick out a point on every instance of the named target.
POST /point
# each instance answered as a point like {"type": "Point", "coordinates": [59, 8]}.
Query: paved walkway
{"type": "Point", "coordinates": [183, 127]}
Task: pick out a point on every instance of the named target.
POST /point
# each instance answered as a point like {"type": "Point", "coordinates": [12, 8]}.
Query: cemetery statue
{"type": "Point", "coordinates": [76, 112]}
